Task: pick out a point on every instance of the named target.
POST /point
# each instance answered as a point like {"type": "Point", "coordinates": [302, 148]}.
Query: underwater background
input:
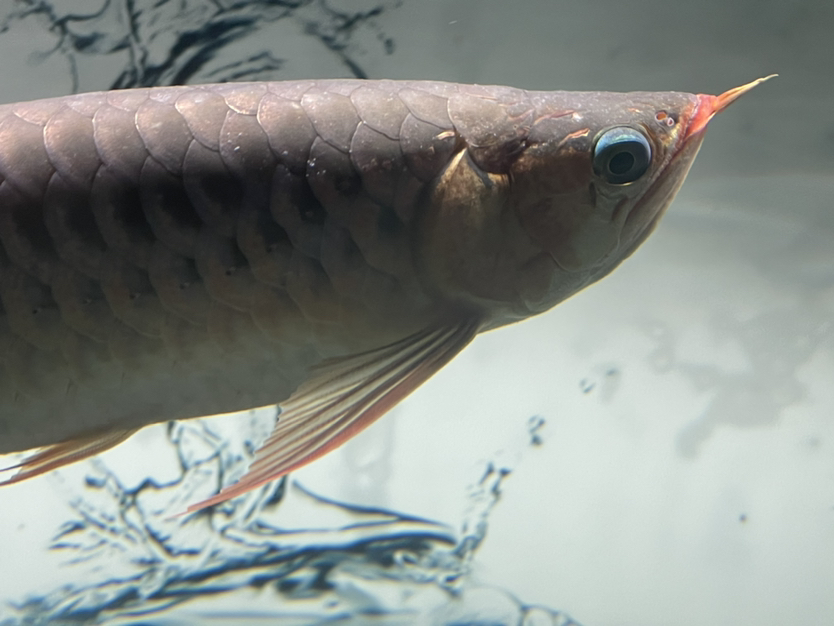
{"type": "Point", "coordinates": [657, 450]}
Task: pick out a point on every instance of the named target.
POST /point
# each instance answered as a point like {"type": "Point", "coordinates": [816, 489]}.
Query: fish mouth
{"type": "Point", "coordinates": [709, 105]}
{"type": "Point", "coordinates": [663, 190]}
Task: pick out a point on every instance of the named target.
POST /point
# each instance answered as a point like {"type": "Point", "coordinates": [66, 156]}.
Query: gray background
{"type": "Point", "coordinates": [686, 475]}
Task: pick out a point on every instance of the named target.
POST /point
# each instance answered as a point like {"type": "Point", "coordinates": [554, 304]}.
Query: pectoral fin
{"type": "Point", "coordinates": [60, 454]}
{"type": "Point", "coordinates": [344, 396]}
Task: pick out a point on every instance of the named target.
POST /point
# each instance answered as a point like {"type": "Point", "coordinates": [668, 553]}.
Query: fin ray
{"type": "Point", "coordinates": [342, 397]}
{"type": "Point", "coordinates": [69, 451]}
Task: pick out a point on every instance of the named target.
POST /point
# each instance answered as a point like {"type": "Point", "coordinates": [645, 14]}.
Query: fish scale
{"type": "Point", "coordinates": [129, 213]}
{"type": "Point", "coordinates": [176, 252]}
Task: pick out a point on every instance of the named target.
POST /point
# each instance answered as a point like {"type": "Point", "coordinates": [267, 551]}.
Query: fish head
{"type": "Point", "coordinates": [596, 178]}
{"type": "Point", "coordinates": [585, 186]}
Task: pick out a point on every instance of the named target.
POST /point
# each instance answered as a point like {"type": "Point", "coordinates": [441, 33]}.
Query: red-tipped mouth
{"type": "Point", "coordinates": [709, 105]}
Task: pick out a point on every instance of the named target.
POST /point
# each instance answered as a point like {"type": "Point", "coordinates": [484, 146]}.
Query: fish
{"type": "Point", "coordinates": [323, 245]}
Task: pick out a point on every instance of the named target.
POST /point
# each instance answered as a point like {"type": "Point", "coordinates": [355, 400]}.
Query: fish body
{"type": "Point", "coordinates": [176, 252]}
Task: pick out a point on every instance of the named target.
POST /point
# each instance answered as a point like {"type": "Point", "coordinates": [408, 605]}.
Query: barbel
{"type": "Point", "coordinates": [177, 252]}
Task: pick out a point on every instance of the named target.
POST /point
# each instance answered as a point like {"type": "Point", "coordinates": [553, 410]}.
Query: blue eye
{"type": "Point", "coordinates": [621, 155]}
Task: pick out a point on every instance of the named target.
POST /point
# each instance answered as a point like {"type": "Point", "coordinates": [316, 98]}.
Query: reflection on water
{"type": "Point", "coordinates": [144, 43]}
{"type": "Point", "coordinates": [280, 552]}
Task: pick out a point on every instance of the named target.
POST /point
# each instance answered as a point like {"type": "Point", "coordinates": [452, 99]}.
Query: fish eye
{"type": "Point", "coordinates": [621, 155]}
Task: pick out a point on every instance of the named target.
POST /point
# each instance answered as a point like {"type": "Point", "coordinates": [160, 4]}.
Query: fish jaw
{"type": "Point", "coordinates": [710, 105]}
{"type": "Point", "coordinates": [646, 214]}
